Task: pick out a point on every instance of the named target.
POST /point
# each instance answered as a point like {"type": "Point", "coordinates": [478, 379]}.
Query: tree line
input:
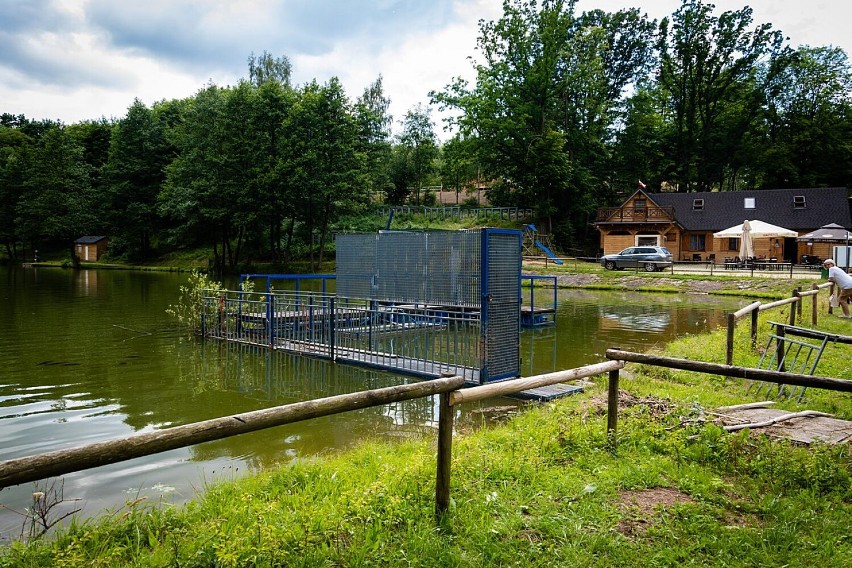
{"type": "Point", "coordinates": [567, 112]}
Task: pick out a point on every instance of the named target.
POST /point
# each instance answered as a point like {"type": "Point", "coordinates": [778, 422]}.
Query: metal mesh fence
{"type": "Point", "coordinates": [408, 302]}
{"type": "Point", "coordinates": [434, 268]}
{"type": "Point", "coordinates": [502, 325]}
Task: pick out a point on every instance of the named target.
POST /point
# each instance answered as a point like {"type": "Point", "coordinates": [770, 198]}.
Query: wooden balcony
{"type": "Point", "coordinates": [635, 214]}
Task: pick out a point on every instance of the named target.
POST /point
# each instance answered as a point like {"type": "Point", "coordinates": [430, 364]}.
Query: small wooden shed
{"type": "Point", "coordinates": [91, 248]}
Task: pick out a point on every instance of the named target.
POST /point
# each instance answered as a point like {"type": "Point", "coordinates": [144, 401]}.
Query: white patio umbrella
{"type": "Point", "coordinates": [758, 229]}
{"type": "Point", "coordinates": [746, 245]}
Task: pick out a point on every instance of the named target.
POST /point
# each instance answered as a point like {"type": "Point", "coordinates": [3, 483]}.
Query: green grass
{"type": "Point", "coordinates": [544, 489]}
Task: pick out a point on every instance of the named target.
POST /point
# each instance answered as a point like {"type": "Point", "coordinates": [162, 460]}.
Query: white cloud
{"type": "Point", "coordinates": [82, 59]}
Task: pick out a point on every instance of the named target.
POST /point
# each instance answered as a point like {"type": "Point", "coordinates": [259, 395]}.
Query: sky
{"type": "Point", "coordinates": [75, 60]}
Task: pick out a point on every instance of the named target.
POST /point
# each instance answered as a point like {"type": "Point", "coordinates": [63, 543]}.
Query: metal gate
{"type": "Point", "coordinates": [501, 304]}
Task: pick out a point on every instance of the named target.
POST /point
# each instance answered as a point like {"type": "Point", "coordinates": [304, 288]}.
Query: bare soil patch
{"type": "Point", "coordinates": [639, 507]}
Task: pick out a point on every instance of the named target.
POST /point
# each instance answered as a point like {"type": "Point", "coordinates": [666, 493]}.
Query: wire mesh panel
{"type": "Point", "coordinates": [356, 265]}
{"type": "Point", "coordinates": [430, 268]}
{"type": "Point", "coordinates": [501, 275]}
{"type": "Point", "coordinates": [453, 259]}
{"type": "Point", "coordinates": [402, 272]}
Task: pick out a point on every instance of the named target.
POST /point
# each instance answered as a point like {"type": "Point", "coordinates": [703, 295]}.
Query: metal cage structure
{"type": "Point", "coordinates": [417, 303]}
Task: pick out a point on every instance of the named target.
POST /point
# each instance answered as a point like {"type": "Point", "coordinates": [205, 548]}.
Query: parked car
{"type": "Point", "coordinates": [649, 258]}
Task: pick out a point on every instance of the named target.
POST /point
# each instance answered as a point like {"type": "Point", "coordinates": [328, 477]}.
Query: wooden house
{"type": "Point", "coordinates": [685, 222]}
{"type": "Point", "coordinates": [90, 248]}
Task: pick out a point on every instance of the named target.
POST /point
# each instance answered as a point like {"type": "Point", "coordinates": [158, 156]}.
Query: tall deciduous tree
{"type": "Point", "coordinates": [13, 146]}
{"type": "Point", "coordinates": [545, 102]}
{"type": "Point", "coordinates": [265, 67]}
{"type": "Point", "coordinates": [57, 200]}
{"type": "Point", "coordinates": [708, 73]}
{"type": "Point", "coordinates": [135, 171]}
{"type": "Point", "coordinates": [419, 146]}
{"type": "Point", "coordinates": [322, 161]}
{"type": "Point", "coordinates": [809, 121]}
{"type": "Point", "coordinates": [374, 125]}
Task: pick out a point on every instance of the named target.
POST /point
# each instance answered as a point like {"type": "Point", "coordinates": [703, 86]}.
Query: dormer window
{"type": "Point", "coordinates": [798, 202]}
{"type": "Point", "coordinates": [698, 205]}
{"type": "Point", "coordinates": [748, 202]}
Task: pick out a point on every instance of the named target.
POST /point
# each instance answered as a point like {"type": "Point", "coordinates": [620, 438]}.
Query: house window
{"type": "Point", "coordinates": [734, 244]}
{"type": "Point", "coordinates": [696, 242]}
{"type": "Point", "coordinates": [748, 203]}
{"type": "Point", "coordinates": [798, 202]}
{"type": "Point", "coordinates": [647, 240]}
{"type": "Point", "coordinates": [639, 204]}
{"type": "Point", "coordinates": [697, 204]}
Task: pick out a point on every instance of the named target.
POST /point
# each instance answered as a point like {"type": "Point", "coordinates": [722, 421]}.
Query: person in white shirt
{"type": "Point", "coordinates": [843, 283]}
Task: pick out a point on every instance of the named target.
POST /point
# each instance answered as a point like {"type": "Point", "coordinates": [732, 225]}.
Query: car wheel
{"type": "Point", "coordinates": [650, 267]}
{"type": "Point", "coordinates": [609, 265]}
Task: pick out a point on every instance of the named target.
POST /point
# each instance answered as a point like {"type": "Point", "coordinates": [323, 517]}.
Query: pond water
{"type": "Point", "coordinates": [87, 356]}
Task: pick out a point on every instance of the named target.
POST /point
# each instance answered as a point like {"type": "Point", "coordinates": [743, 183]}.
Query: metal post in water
{"type": "Point", "coordinates": [331, 332]}
{"type": "Point", "coordinates": [270, 314]}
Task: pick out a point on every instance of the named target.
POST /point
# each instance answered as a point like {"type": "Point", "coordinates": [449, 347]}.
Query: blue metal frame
{"type": "Point", "coordinates": [295, 277]}
{"type": "Point", "coordinates": [546, 317]}
{"type": "Point", "coordinates": [486, 328]}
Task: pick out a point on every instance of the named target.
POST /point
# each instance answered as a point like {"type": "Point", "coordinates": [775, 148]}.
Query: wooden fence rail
{"type": "Point", "coordinates": [60, 462]}
{"type": "Point", "coordinates": [755, 308]}
{"type": "Point", "coordinates": [449, 389]}
{"type": "Point", "coordinates": [778, 377]}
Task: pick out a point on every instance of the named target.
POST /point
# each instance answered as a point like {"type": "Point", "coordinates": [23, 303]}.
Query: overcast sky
{"type": "Point", "coordinates": [75, 60]}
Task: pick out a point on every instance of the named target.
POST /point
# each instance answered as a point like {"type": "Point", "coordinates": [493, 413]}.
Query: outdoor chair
{"type": "Point", "coordinates": [789, 355]}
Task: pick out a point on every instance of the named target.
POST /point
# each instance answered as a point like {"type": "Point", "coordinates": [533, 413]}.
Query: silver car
{"type": "Point", "coordinates": [650, 259]}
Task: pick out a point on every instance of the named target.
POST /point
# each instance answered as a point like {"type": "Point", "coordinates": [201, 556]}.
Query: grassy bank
{"type": "Point", "coordinates": [543, 489]}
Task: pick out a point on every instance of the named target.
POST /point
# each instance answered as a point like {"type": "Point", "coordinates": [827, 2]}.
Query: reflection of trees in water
{"type": "Point", "coordinates": [261, 378]}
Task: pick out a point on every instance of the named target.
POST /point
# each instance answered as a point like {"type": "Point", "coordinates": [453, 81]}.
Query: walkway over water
{"type": "Point", "coordinates": [417, 340]}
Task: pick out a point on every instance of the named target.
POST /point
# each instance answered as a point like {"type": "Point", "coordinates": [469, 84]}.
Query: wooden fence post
{"type": "Point", "coordinates": [754, 314]}
{"type": "Point", "coordinates": [793, 308]}
{"type": "Point", "coordinates": [612, 408]}
{"type": "Point", "coordinates": [799, 304]}
{"type": "Point", "coordinates": [729, 350]}
{"type": "Point", "coordinates": [445, 454]}
{"type": "Point", "coordinates": [814, 310]}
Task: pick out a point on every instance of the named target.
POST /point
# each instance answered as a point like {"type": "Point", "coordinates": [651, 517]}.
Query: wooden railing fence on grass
{"type": "Point", "coordinates": [61, 462]}
{"type": "Point", "coordinates": [449, 389]}
{"type": "Point", "coordinates": [755, 308]}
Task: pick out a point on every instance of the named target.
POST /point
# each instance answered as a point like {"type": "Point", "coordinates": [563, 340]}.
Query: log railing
{"type": "Point", "coordinates": [449, 389]}
{"type": "Point", "coordinates": [755, 308]}
{"type": "Point", "coordinates": [778, 377]}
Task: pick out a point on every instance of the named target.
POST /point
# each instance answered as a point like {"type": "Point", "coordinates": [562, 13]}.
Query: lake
{"type": "Point", "coordinates": [91, 355]}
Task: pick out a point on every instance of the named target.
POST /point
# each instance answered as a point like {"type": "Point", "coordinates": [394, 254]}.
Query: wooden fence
{"type": "Point", "coordinates": [754, 309]}
{"type": "Point", "coordinates": [61, 462]}
{"type": "Point", "coordinates": [449, 389]}
{"type": "Point", "coordinates": [777, 377]}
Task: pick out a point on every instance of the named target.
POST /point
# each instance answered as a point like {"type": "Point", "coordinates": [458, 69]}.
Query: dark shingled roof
{"type": "Point", "coordinates": [823, 205]}
{"type": "Point", "coordinates": [89, 240]}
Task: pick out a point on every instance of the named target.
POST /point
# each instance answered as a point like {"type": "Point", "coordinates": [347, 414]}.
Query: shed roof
{"type": "Point", "coordinates": [87, 240]}
{"type": "Point", "coordinates": [797, 209]}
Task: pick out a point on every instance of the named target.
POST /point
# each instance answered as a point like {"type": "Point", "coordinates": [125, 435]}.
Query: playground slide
{"type": "Point", "coordinates": [548, 252]}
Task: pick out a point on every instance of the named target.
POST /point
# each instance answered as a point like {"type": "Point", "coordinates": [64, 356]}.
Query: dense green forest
{"type": "Point", "coordinates": [567, 112]}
